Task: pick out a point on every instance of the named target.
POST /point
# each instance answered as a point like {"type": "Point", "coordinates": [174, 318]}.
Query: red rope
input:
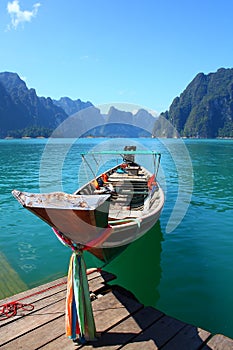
{"type": "Point", "coordinates": [10, 309]}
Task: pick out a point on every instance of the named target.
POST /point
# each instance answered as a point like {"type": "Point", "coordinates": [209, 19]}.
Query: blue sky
{"type": "Point", "coordinates": [105, 51]}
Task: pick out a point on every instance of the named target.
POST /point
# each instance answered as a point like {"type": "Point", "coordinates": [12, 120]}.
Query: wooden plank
{"type": "Point", "coordinates": [190, 337]}
{"type": "Point", "coordinates": [126, 330]}
{"type": "Point", "coordinates": [17, 325]}
{"type": "Point", "coordinates": [157, 335]}
{"type": "Point", "coordinates": [59, 284]}
{"type": "Point", "coordinates": [220, 342]}
{"type": "Point", "coordinates": [109, 310]}
{"type": "Point", "coordinates": [45, 289]}
{"type": "Point", "coordinates": [38, 336]}
{"type": "Point", "coordinates": [120, 319]}
{"type": "Point", "coordinates": [39, 301]}
{"type": "Point", "coordinates": [112, 308]}
{"type": "Point", "coordinates": [16, 329]}
{"type": "Point", "coordinates": [96, 281]}
{"type": "Point", "coordinates": [106, 276]}
{"type": "Point", "coordinates": [61, 342]}
{"type": "Point", "coordinates": [46, 310]}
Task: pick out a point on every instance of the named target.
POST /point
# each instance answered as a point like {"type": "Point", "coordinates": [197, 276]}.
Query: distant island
{"type": "Point", "coordinates": [203, 110]}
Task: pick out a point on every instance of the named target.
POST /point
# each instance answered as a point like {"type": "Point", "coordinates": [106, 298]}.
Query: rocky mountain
{"type": "Point", "coordinates": [21, 108]}
{"type": "Point", "coordinates": [139, 124]}
{"type": "Point", "coordinates": [71, 106]}
{"type": "Point", "coordinates": [204, 109]}
{"type": "Point", "coordinates": [116, 123]}
{"type": "Point", "coordinates": [23, 113]}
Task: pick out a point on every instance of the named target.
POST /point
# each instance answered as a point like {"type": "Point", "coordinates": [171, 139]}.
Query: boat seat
{"type": "Point", "coordinates": [84, 191]}
{"type": "Point", "coordinates": [133, 170]}
{"type": "Point", "coordinates": [87, 190]}
{"type": "Point", "coordinates": [134, 192]}
{"type": "Point", "coordinates": [117, 214]}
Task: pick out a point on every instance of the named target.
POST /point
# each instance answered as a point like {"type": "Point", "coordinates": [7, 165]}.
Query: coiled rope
{"type": "Point", "coordinates": [11, 309]}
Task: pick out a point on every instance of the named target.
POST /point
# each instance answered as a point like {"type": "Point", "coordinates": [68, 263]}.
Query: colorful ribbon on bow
{"type": "Point", "coordinates": [79, 315]}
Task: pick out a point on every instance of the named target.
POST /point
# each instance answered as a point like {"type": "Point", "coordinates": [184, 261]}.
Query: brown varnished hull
{"type": "Point", "coordinates": [107, 219]}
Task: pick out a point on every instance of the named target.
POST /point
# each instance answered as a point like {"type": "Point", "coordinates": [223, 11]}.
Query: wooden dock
{"type": "Point", "coordinates": [122, 321]}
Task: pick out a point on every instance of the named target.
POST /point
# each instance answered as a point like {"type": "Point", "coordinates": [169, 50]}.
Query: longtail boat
{"type": "Point", "coordinates": [103, 216]}
{"type": "Point", "coordinates": [111, 210]}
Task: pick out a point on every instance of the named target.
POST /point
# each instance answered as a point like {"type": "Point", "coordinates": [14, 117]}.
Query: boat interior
{"type": "Point", "coordinates": [128, 185]}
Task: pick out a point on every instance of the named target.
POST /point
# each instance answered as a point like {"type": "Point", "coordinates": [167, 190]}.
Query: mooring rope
{"type": "Point", "coordinates": [11, 309]}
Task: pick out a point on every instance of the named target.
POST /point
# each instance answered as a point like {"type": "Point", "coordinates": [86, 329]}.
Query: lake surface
{"type": "Point", "coordinates": [182, 266]}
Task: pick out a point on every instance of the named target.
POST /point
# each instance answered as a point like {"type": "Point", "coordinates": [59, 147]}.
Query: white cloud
{"type": "Point", "coordinates": [19, 16]}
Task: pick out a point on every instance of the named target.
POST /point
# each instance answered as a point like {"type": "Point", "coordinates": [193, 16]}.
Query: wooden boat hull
{"type": "Point", "coordinates": [82, 225]}
{"type": "Point", "coordinates": [102, 218]}
{"type": "Point", "coordinates": [128, 232]}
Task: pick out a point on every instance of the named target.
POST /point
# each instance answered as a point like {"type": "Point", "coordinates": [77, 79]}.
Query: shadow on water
{"type": "Point", "coordinates": [138, 267]}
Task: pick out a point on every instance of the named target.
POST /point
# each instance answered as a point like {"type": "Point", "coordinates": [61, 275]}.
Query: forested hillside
{"type": "Point", "coordinates": [21, 110]}
{"type": "Point", "coordinates": [204, 109]}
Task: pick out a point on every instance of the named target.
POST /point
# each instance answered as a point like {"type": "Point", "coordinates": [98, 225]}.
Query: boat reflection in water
{"type": "Point", "coordinates": [138, 267]}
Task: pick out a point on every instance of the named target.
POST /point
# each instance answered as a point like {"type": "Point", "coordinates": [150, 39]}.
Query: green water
{"type": "Point", "coordinates": [186, 273]}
